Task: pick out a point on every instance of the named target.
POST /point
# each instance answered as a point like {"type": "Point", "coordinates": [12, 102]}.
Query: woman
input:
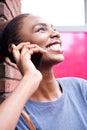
{"type": "Point", "coordinates": [52, 104]}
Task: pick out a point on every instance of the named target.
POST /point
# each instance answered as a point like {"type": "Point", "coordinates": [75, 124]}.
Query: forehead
{"type": "Point", "coordinates": [32, 20]}
{"type": "Point", "coordinates": [28, 24]}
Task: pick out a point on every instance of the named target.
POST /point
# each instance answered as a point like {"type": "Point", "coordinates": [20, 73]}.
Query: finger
{"type": "Point", "coordinates": [24, 51]}
{"type": "Point", "coordinates": [15, 52]}
{"type": "Point", "coordinates": [21, 45]}
{"type": "Point", "coordinates": [36, 48]}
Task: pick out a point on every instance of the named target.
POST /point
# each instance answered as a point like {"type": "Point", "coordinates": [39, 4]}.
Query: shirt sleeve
{"type": "Point", "coordinates": [84, 88]}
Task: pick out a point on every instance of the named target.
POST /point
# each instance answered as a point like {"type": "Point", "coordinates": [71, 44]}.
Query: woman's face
{"type": "Point", "coordinates": [37, 31]}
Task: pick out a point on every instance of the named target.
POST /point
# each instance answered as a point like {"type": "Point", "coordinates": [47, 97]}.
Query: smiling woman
{"type": "Point", "coordinates": [44, 98]}
{"type": "Point", "coordinates": [59, 12]}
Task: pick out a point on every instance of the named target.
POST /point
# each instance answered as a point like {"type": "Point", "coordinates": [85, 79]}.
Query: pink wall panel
{"type": "Point", "coordinates": [75, 53]}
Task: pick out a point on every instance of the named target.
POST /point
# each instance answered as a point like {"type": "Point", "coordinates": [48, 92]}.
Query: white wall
{"type": "Point", "coordinates": [59, 12]}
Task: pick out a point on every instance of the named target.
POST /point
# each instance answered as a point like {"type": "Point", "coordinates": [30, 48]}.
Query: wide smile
{"type": "Point", "coordinates": [54, 46]}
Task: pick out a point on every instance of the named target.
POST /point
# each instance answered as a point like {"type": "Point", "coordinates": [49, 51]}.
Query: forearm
{"type": "Point", "coordinates": [11, 108]}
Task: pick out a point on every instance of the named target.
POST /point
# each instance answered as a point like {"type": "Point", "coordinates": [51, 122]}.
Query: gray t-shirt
{"type": "Point", "coordinates": [69, 112]}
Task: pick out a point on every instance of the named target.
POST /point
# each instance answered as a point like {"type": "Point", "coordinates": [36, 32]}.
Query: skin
{"type": "Point", "coordinates": [40, 36]}
{"type": "Point", "coordinates": [42, 33]}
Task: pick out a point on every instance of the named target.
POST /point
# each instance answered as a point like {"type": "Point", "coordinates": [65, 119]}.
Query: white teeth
{"type": "Point", "coordinates": [55, 47]}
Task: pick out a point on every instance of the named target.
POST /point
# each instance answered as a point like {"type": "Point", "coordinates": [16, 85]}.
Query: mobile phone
{"type": "Point", "coordinates": [36, 58]}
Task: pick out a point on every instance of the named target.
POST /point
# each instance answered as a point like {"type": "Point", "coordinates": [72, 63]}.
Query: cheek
{"type": "Point", "coordinates": [39, 40]}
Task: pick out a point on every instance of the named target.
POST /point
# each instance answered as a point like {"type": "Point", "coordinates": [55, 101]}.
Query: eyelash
{"type": "Point", "coordinates": [41, 29]}
{"type": "Point", "coordinates": [54, 29]}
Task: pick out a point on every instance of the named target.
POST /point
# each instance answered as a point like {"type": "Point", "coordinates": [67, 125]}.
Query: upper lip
{"type": "Point", "coordinates": [54, 42]}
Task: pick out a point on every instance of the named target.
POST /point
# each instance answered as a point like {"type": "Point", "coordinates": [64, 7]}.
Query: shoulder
{"type": "Point", "coordinates": [74, 85]}
{"type": "Point", "coordinates": [73, 81]}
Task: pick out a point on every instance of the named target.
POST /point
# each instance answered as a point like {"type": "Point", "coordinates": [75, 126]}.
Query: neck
{"type": "Point", "coordinates": [49, 89]}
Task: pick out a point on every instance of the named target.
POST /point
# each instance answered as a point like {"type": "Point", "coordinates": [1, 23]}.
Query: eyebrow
{"type": "Point", "coordinates": [43, 24]}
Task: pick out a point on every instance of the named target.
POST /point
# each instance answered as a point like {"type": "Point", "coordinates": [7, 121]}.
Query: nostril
{"type": "Point", "coordinates": [55, 33]}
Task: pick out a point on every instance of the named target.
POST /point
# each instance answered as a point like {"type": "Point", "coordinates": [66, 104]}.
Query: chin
{"type": "Point", "coordinates": [52, 59]}
{"type": "Point", "coordinates": [56, 61]}
{"type": "Point", "coordinates": [59, 60]}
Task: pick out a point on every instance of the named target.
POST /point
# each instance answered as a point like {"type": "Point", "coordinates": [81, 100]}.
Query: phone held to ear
{"type": "Point", "coordinates": [36, 58]}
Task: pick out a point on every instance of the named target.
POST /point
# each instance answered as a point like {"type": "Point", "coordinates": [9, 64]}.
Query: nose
{"type": "Point", "coordinates": [54, 33]}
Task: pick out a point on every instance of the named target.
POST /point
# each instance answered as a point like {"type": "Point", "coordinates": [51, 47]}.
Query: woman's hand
{"type": "Point", "coordinates": [22, 54]}
{"type": "Point", "coordinates": [26, 88]}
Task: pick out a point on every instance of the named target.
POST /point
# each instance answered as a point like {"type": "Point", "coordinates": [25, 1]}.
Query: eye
{"type": "Point", "coordinates": [54, 29]}
{"type": "Point", "coordinates": [42, 29]}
